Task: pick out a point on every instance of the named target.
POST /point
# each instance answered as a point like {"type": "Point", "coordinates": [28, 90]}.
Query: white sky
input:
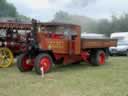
{"type": "Point", "coordinates": [44, 10]}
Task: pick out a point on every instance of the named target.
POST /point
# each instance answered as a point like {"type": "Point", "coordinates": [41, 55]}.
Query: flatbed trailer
{"type": "Point", "coordinates": [60, 43]}
{"type": "Point", "coordinates": [97, 43]}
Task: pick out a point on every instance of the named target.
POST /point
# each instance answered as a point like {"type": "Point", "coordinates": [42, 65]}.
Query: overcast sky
{"type": "Point", "coordinates": [44, 10]}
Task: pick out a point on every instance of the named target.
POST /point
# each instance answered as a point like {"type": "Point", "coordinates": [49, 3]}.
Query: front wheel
{"type": "Point", "coordinates": [6, 57]}
{"type": "Point", "coordinates": [43, 61]}
{"type": "Point", "coordinates": [24, 63]}
{"type": "Point", "coordinates": [98, 58]}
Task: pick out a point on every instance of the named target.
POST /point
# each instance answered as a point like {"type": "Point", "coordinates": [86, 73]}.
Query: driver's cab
{"type": "Point", "coordinates": [60, 38]}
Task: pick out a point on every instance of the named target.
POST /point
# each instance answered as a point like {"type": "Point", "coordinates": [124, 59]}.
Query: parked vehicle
{"type": "Point", "coordinates": [12, 41]}
{"type": "Point", "coordinates": [119, 35]}
{"type": "Point", "coordinates": [122, 44]}
{"type": "Point", "coordinates": [60, 43]}
{"type": "Point", "coordinates": [120, 49]}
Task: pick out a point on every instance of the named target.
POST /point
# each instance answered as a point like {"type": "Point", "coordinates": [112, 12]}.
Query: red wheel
{"type": "Point", "coordinates": [102, 58]}
{"type": "Point", "coordinates": [24, 63]}
{"type": "Point", "coordinates": [43, 61]}
{"type": "Point", "coordinates": [98, 57]}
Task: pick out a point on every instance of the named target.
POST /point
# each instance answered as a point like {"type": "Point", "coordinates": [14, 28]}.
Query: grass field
{"type": "Point", "coordinates": [71, 80]}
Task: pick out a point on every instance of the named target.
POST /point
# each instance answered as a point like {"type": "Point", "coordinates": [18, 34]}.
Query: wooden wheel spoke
{"type": "Point", "coordinates": [2, 62]}
{"type": "Point", "coordinates": [1, 53]}
{"type": "Point", "coordinates": [4, 53]}
{"type": "Point", "coordinates": [1, 57]}
{"type": "Point", "coordinates": [6, 61]}
{"type": "Point", "coordinates": [6, 57]}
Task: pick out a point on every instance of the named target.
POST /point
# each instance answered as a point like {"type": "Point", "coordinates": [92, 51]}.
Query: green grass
{"type": "Point", "coordinates": [71, 80]}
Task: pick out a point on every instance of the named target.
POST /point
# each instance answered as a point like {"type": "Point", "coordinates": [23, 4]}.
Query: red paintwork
{"type": "Point", "coordinates": [85, 55]}
{"type": "Point", "coordinates": [27, 65]}
{"type": "Point", "coordinates": [62, 42]}
{"type": "Point", "coordinates": [56, 36]}
{"type": "Point", "coordinates": [101, 58]}
{"type": "Point", "coordinates": [68, 59]}
{"type": "Point", "coordinates": [16, 47]}
{"type": "Point", "coordinates": [45, 63]}
{"type": "Point", "coordinates": [13, 40]}
{"type": "Point", "coordinates": [73, 58]}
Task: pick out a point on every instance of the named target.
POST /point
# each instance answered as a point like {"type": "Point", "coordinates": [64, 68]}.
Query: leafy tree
{"type": "Point", "coordinates": [74, 19]}
{"type": "Point", "coordinates": [7, 9]}
{"type": "Point", "coordinates": [103, 26]}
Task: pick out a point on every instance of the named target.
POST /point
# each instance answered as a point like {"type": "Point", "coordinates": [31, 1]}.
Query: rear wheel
{"type": "Point", "coordinates": [24, 63]}
{"type": "Point", "coordinates": [98, 58]}
{"type": "Point", "coordinates": [6, 57]}
{"type": "Point", "coordinates": [43, 61]}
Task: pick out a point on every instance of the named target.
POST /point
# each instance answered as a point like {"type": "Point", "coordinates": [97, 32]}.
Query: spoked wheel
{"type": "Point", "coordinates": [43, 61]}
{"type": "Point", "coordinates": [98, 58]}
{"type": "Point", "coordinates": [24, 63]}
{"type": "Point", "coordinates": [6, 57]}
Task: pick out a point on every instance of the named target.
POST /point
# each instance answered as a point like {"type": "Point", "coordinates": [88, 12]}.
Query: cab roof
{"type": "Point", "coordinates": [58, 24]}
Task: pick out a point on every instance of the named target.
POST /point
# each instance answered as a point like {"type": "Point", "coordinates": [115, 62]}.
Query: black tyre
{"type": "Point", "coordinates": [43, 61]}
{"type": "Point", "coordinates": [98, 58]}
{"type": "Point", "coordinates": [24, 63]}
{"type": "Point", "coordinates": [77, 62]}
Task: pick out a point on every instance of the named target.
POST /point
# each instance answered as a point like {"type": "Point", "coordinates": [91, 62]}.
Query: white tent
{"type": "Point", "coordinates": [92, 35]}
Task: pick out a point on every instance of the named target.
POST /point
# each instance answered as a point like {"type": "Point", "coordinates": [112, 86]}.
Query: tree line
{"type": "Point", "coordinates": [102, 26]}
{"type": "Point", "coordinates": [9, 10]}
